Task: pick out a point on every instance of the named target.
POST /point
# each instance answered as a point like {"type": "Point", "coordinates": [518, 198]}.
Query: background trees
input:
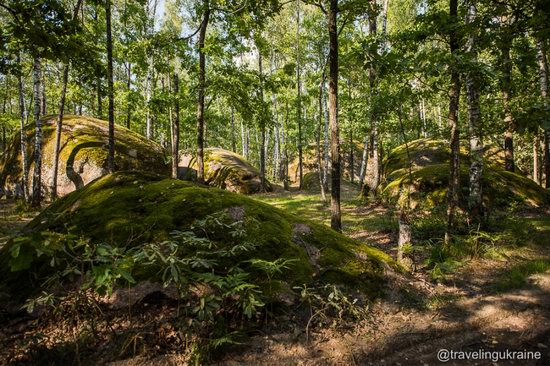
{"type": "Point", "coordinates": [265, 78]}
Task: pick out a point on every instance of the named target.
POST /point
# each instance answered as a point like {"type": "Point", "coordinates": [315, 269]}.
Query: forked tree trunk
{"type": "Point", "coordinates": [37, 176]}
{"type": "Point", "coordinates": [454, 95]}
{"type": "Point", "coordinates": [335, 213]}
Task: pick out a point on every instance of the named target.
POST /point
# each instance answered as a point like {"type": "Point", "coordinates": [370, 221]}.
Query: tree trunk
{"type": "Point", "coordinates": [262, 124]}
{"type": "Point", "coordinates": [43, 103]}
{"type": "Point", "coordinates": [175, 128]}
{"type": "Point", "coordinates": [202, 90]}
{"type": "Point", "coordinates": [110, 91]}
{"type": "Point", "coordinates": [37, 176]}
{"type": "Point", "coordinates": [58, 130]}
{"type": "Point", "coordinates": [364, 161]}
{"type": "Point", "coordinates": [299, 98]}
{"type": "Point", "coordinates": [60, 116]}
{"type": "Point", "coordinates": [128, 106]}
{"type": "Point", "coordinates": [506, 84]}
{"type": "Point", "coordinates": [284, 155]}
{"type": "Point", "coordinates": [319, 160]}
{"type": "Point", "coordinates": [335, 214]}
{"type": "Point", "coordinates": [326, 147]}
{"type": "Point", "coordinates": [536, 157]}
{"type": "Point", "coordinates": [373, 166]}
{"type": "Point", "coordinates": [99, 104]}
{"type": "Point", "coordinates": [23, 135]}
{"type": "Point", "coordinates": [543, 79]}
{"type": "Point", "coordinates": [454, 95]}
{"type": "Point", "coordinates": [475, 199]}
{"type": "Point", "coordinates": [233, 137]}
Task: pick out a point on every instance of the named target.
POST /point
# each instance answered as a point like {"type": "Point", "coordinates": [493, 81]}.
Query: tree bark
{"type": "Point", "coordinates": [22, 134]}
{"type": "Point", "coordinates": [37, 176]}
{"type": "Point", "coordinates": [202, 90]}
{"type": "Point", "coordinates": [373, 166]}
{"type": "Point", "coordinates": [128, 106]}
{"type": "Point", "coordinates": [454, 95]}
{"type": "Point", "coordinates": [506, 84]}
{"type": "Point", "coordinates": [175, 128]}
{"type": "Point", "coordinates": [536, 157]}
{"type": "Point", "coordinates": [60, 116]}
{"type": "Point", "coordinates": [475, 199]}
{"type": "Point", "coordinates": [299, 98]}
{"type": "Point", "coordinates": [262, 124]}
{"type": "Point", "coordinates": [43, 102]}
{"type": "Point", "coordinates": [110, 91]}
{"type": "Point", "coordinates": [543, 80]}
{"type": "Point", "coordinates": [335, 213]}
{"type": "Point", "coordinates": [321, 169]}
{"type": "Point", "coordinates": [233, 137]}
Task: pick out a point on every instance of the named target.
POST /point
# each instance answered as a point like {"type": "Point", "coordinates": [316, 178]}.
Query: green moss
{"type": "Point", "coordinates": [227, 170]}
{"type": "Point", "coordinates": [83, 140]}
{"type": "Point", "coordinates": [133, 208]}
{"type": "Point", "coordinates": [429, 178]}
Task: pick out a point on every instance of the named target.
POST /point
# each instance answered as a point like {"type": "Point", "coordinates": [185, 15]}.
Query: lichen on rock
{"type": "Point", "coordinates": [226, 170]}
{"type": "Point", "coordinates": [83, 155]}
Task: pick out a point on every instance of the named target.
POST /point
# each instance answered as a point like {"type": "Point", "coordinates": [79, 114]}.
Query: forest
{"type": "Point", "coordinates": [280, 182]}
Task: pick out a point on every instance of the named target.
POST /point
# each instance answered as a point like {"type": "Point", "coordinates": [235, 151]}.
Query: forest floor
{"type": "Point", "coordinates": [492, 304]}
{"type": "Point", "coordinates": [477, 307]}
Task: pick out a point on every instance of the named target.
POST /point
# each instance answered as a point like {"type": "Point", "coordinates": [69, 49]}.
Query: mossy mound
{"type": "Point", "coordinates": [430, 176]}
{"type": "Point", "coordinates": [83, 156]}
{"type": "Point", "coordinates": [131, 209]}
{"type": "Point", "coordinates": [226, 170]}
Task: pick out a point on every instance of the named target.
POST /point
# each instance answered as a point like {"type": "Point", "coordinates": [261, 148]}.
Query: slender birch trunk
{"type": "Point", "coordinates": [475, 199]}
{"type": "Point", "coordinates": [454, 95]}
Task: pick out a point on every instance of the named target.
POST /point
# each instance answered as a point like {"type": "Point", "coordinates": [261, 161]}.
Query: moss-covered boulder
{"type": "Point", "coordinates": [131, 209]}
{"type": "Point", "coordinates": [430, 176]}
{"type": "Point", "coordinates": [226, 170]}
{"type": "Point", "coordinates": [83, 156]}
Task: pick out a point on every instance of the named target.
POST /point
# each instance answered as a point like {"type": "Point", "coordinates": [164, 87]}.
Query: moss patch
{"type": "Point", "coordinates": [83, 155]}
{"type": "Point", "coordinates": [134, 208]}
{"type": "Point", "coordinates": [228, 170]}
{"type": "Point", "coordinates": [430, 172]}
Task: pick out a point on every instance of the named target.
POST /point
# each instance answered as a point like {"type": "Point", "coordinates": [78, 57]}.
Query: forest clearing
{"type": "Point", "coordinates": [300, 182]}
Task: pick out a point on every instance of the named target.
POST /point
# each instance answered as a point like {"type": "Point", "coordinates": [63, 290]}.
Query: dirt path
{"type": "Point", "coordinates": [419, 318]}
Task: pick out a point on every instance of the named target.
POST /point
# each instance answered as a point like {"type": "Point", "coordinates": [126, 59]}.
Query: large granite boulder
{"type": "Point", "coordinates": [83, 156]}
{"type": "Point", "coordinates": [226, 170]}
